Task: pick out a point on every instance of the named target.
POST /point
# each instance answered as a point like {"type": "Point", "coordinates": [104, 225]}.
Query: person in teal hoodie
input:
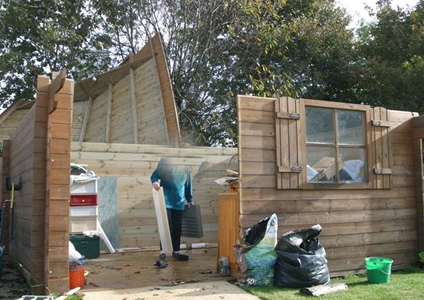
{"type": "Point", "coordinates": [175, 179]}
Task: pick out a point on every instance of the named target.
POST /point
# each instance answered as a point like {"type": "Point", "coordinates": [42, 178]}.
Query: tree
{"type": "Point", "coordinates": [192, 31]}
{"type": "Point", "coordinates": [390, 58]}
{"type": "Point", "coordinates": [295, 48]}
{"type": "Point", "coordinates": [41, 36]}
{"type": "Point", "coordinates": [218, 49]}
{"type": "Point", "coordinates": [201, 70]}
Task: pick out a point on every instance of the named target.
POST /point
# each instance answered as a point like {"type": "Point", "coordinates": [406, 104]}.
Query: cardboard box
{"type": "Point", "coordinates": [326, 168]}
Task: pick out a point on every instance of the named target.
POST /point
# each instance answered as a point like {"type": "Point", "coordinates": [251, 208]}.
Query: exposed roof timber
{"type": "Point", "coordinates": [54, 87]}
{"type": "Point", "coordinates": [25, 104]}
{"type": "Point", "coordinates": [418, 122]}
{"type": "Point", "coordinates": [111, 80]}
{"type": "Point", "coordinates": [94, 86]}
{"type": "Point", "coordinates": [21, 104]}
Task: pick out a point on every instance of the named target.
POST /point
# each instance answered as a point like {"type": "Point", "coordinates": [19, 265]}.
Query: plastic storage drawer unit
{"type": "Point", "coordinates": [84, 211]}
{"type": "Point", "coordinates": [78, 200]}
{"type": "Point", "coordinates": [89, 187]}
{"type": "Point", "coordinates": [85, 245]}
{"type": "Point", "coordinates": [81, 224]}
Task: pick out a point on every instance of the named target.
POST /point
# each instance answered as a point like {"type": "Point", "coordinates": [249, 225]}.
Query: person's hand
{"type": "Point", "coordinates": [156, 186]}
{"type": "Point", "coordinates": [190, 204]}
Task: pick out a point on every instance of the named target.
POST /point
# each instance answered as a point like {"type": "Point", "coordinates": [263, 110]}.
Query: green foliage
{"type": "Point", "coordinates": [219, 49]}
{"type": "Point", "coordinates": [421, 256]}
{"type": "Point", "coordinates": [294, 48]}
{"type": "Point", "coordinates": [390, 52]}
{"type": "Point", "coordinates": [39, 37]}
{"type": "Point", "coordinates": [202, 71]}
{"type": "Point", "coordinates": [70, 297]}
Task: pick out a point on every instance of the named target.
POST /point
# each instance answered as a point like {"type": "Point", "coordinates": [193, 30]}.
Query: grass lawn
{"type": "Point", "coordinates": [406, 284]}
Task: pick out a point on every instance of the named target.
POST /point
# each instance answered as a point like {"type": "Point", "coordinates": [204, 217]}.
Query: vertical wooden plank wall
{"type": "Point", "coordinates": [166, 91]}
{"type": "Point", "coordinates": [356, 223]}
{"type": "Point", "coordinates": [95, 130]}
{"type": "Point", "coordinates": [418, 125]}
{"type": "Point", "coordinates": [131, 104]}
{"type": "Point", "coordinates": [151, 115]}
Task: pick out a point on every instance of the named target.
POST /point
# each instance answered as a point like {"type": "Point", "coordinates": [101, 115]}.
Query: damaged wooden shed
{"type": "Point", "coordinates": [354, 169]}
{"type": "Point", "coordinates": [119, 125]}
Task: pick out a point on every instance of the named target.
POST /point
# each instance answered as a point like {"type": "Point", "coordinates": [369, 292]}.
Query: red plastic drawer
{"type": "Point", "coordinates": [78, 200]}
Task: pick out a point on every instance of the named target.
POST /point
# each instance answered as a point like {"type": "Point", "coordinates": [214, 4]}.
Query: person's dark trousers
{"type": "Point", "coordinates": [175, 220]}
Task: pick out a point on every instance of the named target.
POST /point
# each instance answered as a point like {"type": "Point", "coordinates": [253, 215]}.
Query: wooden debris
{"type": "Point", "coordinates": [130, 249]}
{"type": "Point", "coordinates": [323, 289]}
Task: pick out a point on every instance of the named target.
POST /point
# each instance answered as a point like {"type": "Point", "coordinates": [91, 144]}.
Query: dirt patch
{"type": "Point", "coordinates": [12, 284]}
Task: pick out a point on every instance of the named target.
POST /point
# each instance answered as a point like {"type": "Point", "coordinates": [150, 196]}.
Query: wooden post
{"type": "Point", "coordinates": [57, 188]}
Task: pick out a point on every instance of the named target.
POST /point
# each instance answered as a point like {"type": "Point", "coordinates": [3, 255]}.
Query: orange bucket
{"type": "Point", "coordinates": [76, 277]}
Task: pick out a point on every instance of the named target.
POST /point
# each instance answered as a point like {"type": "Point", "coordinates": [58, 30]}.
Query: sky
{"type": "Point", "coordinates": [356, 7]}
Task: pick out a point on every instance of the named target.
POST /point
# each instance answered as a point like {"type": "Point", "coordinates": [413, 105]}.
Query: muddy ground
{"type": "Point", "coordinates": [12, 284]}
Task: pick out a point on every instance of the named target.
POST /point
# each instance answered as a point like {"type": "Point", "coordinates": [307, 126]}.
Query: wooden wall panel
{"type": "Point", "coordinates": [96, 124]}
{"type": "Point", "coordinates": [10, 118]}
{"type": "Point", "coordinates": [121, 123]}
{"type": "Point", "coordinates": [78, 114]}
{"type": "Point", "coordinates": [21, 162]}
{"type": "Point", "coordinates": [151, 121]}
{"type": "Point", "coordinates": [134, 164]}
{"type": "Point", "coordinates": [39, 143]}
{"type": "Point", "coordinates": [365, 222]}
{"type": "Point", "coordinates": [169, 105]}
{"type": "Point", "coordinates": [133, 103]}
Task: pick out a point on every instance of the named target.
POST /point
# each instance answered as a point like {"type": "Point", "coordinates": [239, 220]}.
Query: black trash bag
{"type": "Point", "coordinates": [255, 253]}
{"type": "Point", "coordinates": [301, 259]}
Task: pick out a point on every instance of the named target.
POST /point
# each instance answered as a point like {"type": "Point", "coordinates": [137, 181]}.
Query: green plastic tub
{"type": "Point", "coordinates": [378, 269]}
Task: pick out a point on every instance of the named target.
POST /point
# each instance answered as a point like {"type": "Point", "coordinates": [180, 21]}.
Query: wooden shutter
{"type": "Point", "coordinates": [381, 177]}
{"type": "Point", "coordinates": [288, 143]}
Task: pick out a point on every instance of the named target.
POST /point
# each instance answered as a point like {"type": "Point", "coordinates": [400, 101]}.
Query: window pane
{"type": "Point", "coordinates": [350, 127]}
{"type": "Point", "coordinates": [319, 125]}
{"type": "Point", "coordinates": [353, 164]}
{"type": "Point", "coordinates": [320, 164]}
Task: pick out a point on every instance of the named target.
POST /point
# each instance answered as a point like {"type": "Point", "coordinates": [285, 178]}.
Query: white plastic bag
{"type": "Point", "coordinates": [75, 256]}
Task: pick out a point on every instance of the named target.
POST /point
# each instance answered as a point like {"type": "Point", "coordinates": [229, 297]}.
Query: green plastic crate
{"type": "Point", "coordinates": [85, 245]}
